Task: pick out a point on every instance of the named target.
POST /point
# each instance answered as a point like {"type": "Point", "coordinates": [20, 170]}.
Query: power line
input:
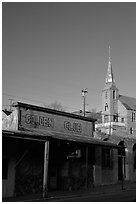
{"type": "Point", "coordinates": [42, 102]}
{"type": "Point", "coordinates": [46, 104]}
{"type": "Point", "coordinates": [23, 98]}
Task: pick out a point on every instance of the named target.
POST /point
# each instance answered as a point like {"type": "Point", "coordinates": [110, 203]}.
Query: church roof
{"type": "Point", "coordinates": [128, 102]}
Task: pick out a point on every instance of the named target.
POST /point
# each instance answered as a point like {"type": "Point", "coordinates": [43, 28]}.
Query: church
{"type": "Point", "coordinates": [118, 124]}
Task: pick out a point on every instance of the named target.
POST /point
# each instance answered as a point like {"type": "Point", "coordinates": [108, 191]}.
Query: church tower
{"type": "Point", "coordinates": [110, 95]}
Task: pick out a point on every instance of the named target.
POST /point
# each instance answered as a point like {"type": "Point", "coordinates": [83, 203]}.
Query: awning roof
{"type": "Point", "coordinates": [85, 140]}
{"type": "Point", "coordinates": [46, 135]}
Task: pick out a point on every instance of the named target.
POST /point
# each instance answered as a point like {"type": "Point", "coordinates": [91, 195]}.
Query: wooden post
{"type": "Point", "coordinates": [86, 167]}
{"type": "Point", "coordinates": [45, 176]}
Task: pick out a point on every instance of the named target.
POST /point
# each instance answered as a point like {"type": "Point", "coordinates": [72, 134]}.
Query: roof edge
{"type": "Point", "coordinates": [57, 112]}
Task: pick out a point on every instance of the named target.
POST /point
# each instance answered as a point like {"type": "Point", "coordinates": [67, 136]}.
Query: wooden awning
{"type": "Point", "coordinates": [48, 135]}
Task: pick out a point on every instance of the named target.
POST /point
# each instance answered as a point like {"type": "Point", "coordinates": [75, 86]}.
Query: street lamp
{"type": "Point", "coordinates": [84, 91]}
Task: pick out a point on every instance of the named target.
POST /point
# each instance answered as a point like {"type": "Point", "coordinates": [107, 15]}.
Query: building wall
{"type": "Point", "coordinates": [130, 123]}
{"type": "Point", "coordinates": [98, 168]}
{"type": "Point", "coordinates": [127, 115]}
{"type": "Point", "coordinates": [130, 158]}
{"type": "Point", "coordinates": [8, 184]}
{"type": "Point", "coordinates": [109, 175]}
{"type": "Point", "coordinates": [122, 112]}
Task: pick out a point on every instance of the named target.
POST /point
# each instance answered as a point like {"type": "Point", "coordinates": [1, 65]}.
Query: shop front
{"type": "Point", "coordinates": [48, 150]}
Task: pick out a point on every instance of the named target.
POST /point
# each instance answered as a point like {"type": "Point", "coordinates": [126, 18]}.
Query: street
{"type": "Point", "coordinates": [112, 194]}
{"type": "Point", "coordinates": [119, 196]}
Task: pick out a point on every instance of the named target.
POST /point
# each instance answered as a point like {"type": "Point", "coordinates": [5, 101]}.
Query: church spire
{"type": "Point", "coordinates": [109, 77]}
{"type": "Point", "coordinates": [109, 53]}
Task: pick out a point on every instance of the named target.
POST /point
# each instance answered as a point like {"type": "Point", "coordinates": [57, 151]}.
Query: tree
{"type": "Point", "coordinates": [56, 106]}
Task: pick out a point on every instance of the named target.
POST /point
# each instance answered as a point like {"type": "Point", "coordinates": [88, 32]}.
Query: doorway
{"type": "Point", "coordinates": [70, 165]}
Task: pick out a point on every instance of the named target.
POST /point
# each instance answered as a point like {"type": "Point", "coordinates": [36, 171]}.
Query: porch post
{"type": "Point", "coordinates": [86, 167]}
{"type": "Point", "coordinates": [45, 176]}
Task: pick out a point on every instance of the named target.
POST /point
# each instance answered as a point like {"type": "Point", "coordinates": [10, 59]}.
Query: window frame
{"type": "Point", "coordinates": [131, 130]}
{"type": "Point", "coordinates": [106, 107]}
{"type": "Point", "coordinates": [115, 118]}
{"type": "Point", "coordinates": [133, 116]}
{"type": "Point", "coordinates": [114, 94]}
{"type": "Point", "coordinates": [107, 158]}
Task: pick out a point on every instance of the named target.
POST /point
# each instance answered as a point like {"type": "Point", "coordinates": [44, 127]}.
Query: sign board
{"type": "Point", "coordinates": [30, 119]}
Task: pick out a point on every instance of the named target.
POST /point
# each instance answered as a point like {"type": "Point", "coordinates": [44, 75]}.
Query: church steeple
{"type": "Point", "coordinates": [110, 95]}
{"type": "Point", "coordinates": [110, 78]}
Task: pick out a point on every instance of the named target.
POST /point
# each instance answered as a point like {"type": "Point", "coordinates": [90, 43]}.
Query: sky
{"type": "Point", "coordinates": [52, 50]}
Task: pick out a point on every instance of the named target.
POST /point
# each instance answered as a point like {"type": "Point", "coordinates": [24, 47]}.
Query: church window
{"type": "Point", "coordinates": [131, 130]}
{"type": "Point", "coordinates": [106, 107]}
{"type": "Point", "coordinates": [122, 120]}
{"type": "Point", "coordinates": [133, 116]}
{"type": "Point", "coordinates": [113, 94]}
{"type": "Point", "coordinates": [115, 118]}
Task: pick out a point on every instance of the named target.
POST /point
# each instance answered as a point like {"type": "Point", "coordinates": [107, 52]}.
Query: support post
{"type": "Point", "coordinates": [122, 186]}
{"type": "Point", "coordinates": [45, 176]}
{"type": "Point", "coordinates": [86, 167]}
{"type": "Point", "coordinates": [123, 171]}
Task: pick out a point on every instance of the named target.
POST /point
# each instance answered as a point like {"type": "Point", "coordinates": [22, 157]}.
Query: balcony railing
{"type": "Point", "coordinates": [110, 124]}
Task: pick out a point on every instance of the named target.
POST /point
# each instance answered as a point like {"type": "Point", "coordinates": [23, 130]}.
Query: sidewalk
{"type": "Point", "coordinates": [60, 194]}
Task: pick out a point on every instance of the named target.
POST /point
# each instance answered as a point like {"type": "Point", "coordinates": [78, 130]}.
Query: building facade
{"type": "Point", "coordinates": [119, 122]}
{"type": "Point", "coordinates": [45, 150]}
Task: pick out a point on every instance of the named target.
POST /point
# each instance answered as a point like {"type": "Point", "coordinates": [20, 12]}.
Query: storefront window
{"type": "Point", "coordinates": [74, 154]}
{"type": "Point", "coordinates": [107, 158]}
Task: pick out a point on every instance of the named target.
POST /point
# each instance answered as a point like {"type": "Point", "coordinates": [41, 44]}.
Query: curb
{"type": "Point", "coordinates": [75, 195]}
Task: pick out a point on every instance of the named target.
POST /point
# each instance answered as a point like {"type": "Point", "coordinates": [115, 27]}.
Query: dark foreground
{"type": "Point", "coordinates": [109, 193]}
{"type": "Point", "coordinates": [122, 196]}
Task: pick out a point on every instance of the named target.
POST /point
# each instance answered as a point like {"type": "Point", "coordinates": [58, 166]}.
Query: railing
{"type": "Point", "coordinates": [110, 124]}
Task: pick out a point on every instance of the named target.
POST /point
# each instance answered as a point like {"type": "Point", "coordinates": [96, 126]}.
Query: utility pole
{"type": "Point", "coordinates": [10, 99]}
{"type": "Point", "coordinates": [84, 91]}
